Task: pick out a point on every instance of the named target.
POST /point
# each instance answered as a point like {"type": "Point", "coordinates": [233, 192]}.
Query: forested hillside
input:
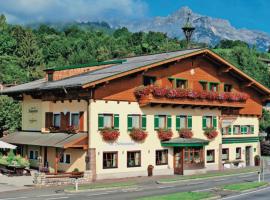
{"type": "Point", "coordinates": [25, 52]}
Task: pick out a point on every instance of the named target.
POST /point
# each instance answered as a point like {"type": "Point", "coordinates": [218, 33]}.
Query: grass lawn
{"type": "Point", "coordinates": [244, 186]}
{"type": "Point", "coordinates": [210, 174]}
{"type": "Point", "coordinates": [181, 195]}
{"type": "Point", "coordinates": [101, 185]}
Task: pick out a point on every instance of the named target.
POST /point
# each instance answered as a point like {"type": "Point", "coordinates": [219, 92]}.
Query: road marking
{"type": "Point", "coordinates": [203, 190]}
{"type": "Point", "coordinates": [163, 187]}
{"type": "Point", "coordinates": [57, 198]}
{"type": "Point", "coordinates": [246, 176]}
{"type": "Point", "coordinates": [243, 194]}
{"type": "Point", "coordinates": [195, 183]}
{"type": "Point", "coordinates": [14, 198]}
{"type": "Point", "coordinates": [97, 194]}
{"type": "Point", "coordinates": [219, 180]}
{"type": "Point", "coordinates": [49, 195]}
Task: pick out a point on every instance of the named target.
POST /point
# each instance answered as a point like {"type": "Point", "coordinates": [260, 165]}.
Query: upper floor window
{"type": "Point", "coordinates": [203, 85]}
{"type": "Point", "coordinates": [213, 87]}
{"type": "Point", "coordinates": [74, 119]}
{"type": "Point", "coordinates": [247, 129]}
{"type": "Point", "coordinates": [181, 83]}
{"type": "Point", "coordinates": [149, 80]}
{"type": "Point", "coordinates": [236, 129]}
{"type": "Point", "coordinates": [162, 122]}
{"type": "Point", "coordinates": [183, 121]}
{"type": "Point", "coordinates": [136, 121]}
{"type": "Point", "coordinates": [56, 119]}
{"type": "Point", "coordinates": [227, 88]}
{"type": "Point", "coordinates": [108, 121]}
{"type": "Point", "coordinates": [209, 122]}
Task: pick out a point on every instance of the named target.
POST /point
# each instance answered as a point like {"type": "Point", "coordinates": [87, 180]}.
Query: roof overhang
{"type": "Point", "coordinates": [185, 142]}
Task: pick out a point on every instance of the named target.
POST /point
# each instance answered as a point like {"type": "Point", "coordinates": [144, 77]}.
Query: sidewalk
{"type": "Point", "coordinates": [15, 183]}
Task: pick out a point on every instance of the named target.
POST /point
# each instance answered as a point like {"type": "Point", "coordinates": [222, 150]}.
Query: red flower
{"type": "Point", "coordinates": [185, 133]}
{"type": "Point", "coordinates": [181, 93]}
{"type": "Point", "coordinates": [172, 93]}
{"type": "Point", "coordinates": [109, 134]}
{"type": "Point", "coordinates": [160, 92]}
{"type": "Point", "coordinates": [165, 134]}
{"type": "Point", "coordinates": [210, 133]}
{"type": "Point", "coordinates": [138, 134]}
{"type": "Point", "coordinates": [142, 91]}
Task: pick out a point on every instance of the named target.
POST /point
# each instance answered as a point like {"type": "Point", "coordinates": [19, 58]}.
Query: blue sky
{"type": "Point", "coordinates": [251, 14]}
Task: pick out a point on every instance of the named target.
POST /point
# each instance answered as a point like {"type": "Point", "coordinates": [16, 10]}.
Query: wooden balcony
{"type": "Point", "coordinates": [196, 99]}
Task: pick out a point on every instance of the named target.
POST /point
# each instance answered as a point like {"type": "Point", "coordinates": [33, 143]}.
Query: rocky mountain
{"type": "Point", "coordinates": [208, 30]}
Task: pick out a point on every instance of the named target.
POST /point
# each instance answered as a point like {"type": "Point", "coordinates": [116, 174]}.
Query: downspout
{"type": "Point", "coordinates": [88, 131]}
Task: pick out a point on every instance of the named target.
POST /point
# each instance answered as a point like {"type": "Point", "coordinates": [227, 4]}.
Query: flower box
{"type": "Point", "coordinates": [165, 134]}
{"type": "Point", "coordinates": [138, 134]}
{"type": "Point", "coordinates": [109, 134]}
{"type": "Point", "coordinates": [185, 133]}
{"type": "Point", "coordinates": [210, 133]}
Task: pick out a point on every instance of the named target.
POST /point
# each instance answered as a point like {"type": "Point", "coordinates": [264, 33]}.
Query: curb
{"type": "Point", "coordinates": [213, 198]}
{"type": "Point", "coordinates": [198, 179]}
{"type": "Point", "coordinates": [101, 189]}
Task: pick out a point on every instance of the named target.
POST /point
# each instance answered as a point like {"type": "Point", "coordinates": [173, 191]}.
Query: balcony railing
{"type": "Point", "coordinates": [159, 95]}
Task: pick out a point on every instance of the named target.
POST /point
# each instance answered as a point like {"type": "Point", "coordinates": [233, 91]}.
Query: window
{"type": "Point", "coordinates": [162, 157]}
{"type": "Point", "coordinates": [183, 121]}
{"type": "Point", "coordinates": [74, 119]}
{"type": "Point", "coordinates": [210, 156]}
{"type": "Point", "coordinates": [180, 83]}
{"type": "Point", "coordinates": [133, 158]}
{"type": "Point", "coordinates": [56, 120]}
{"type": "Point", "coordinates": [108, 121]}
{"type": "Point", "coordinates": [149, 80]}
{"type": "Point", "coordinates": [236, 129]}
{"type": "Point", "coordinates": [213, 87]}
{"type": "Point", "coordinates": [110, 160]}
{"type": "Point", "coordinates": [193, 155]}
{"type": "Point", "coordinates": [209, 122]}
{"type": "Point", "coordinates": [162, 122]}
{"type": "Point", "coordinates": [225, 154]}
{"type": "Point", "coordinates": [33, 155]}
{"type": "Point", "coordinates": [65, 158]}
{"type": "Point", "coordinates": [227, 88]}
{"type": "Point", "coordinates": [204, 85]}
{"type": "Point", "coordinates": [238, 153]}
{"type": "Point", "coordinates": [226, 130]}
{"type": "Point", "coordinates": [136, 121]}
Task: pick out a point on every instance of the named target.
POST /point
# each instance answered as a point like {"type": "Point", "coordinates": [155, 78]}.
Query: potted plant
{"type": "Point", "coordinates": [71, 130]}
{"type": "Point", "coordinates": [210, 133]}
{"type": "Point", "coordinates": [257, 160]}
{"type": "Point", "coordinates": [138, 134]}
{"type": "Point", "coordinates": [109, 134]}
{"type": "Point", "coordinates": [53, 129]}
{"type": "Point", "coordinates": [185, 133]}
{"type": "Point", "coordinates": [142, 91]}
{"type": "Point", "coordinates": [165, 134]}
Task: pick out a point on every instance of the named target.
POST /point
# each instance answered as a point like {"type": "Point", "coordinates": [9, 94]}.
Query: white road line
{"type": "Point", "coordinates": [163, 187]}
{"type": "Point", "coordinates": [49, 195]}
{"type": "Point", "coordinates": [243, 194]}
{"type": "Point", "coordinates": [203, 190]}
{"type": "Point", "coordinates": [57, 198]}
{"type": "Point", "coordinates": [219, 180]}
{"type": "Point", "coordinates": [246, 176]}
{"type": "Point", "coordinates": [98, 194]}
{"type": "Point", "coordinates": [195, 183]}
{"type": "Point", "coordinates": [14, 198]}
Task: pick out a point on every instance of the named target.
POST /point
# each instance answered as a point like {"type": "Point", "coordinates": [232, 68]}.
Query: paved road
{"type": "Point", "coordinates": [147, 189]}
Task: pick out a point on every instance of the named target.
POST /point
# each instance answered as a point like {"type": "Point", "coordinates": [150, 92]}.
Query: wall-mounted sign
{"type": "Point", "coordinates": [33, 110]}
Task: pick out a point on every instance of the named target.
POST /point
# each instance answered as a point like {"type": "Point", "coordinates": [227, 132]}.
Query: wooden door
{"type": "Point", "coordinates": [178, 160]}
{"type": "Point", "coordinates": [248, 155]}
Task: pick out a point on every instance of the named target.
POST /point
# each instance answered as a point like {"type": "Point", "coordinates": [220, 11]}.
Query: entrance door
{"type": "Point", "coordinates": [178, 160]}
{"type": "Point", "coordinates": [248, 152]}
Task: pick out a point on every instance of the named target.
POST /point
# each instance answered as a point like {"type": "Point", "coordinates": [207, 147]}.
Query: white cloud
{"type": "Point", "coordinates": [25, 11]}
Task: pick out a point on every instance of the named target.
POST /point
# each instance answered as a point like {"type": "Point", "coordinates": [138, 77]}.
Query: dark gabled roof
{"type": "Point", "coordinates": [42, 139]}
{"type": "Point", "coordinates": [131, 65]}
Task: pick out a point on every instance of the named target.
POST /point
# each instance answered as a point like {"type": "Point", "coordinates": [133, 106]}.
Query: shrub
{"type": "Point", "coordinates": [210, 133]}
{"type": "Point", "coordinates": [165, 134]}
{"type": "Point", "coordinates": [185, 133]}
{"type": "Point", "coordinates": [109, 134]}
{"type": "Point", "coordinates": [138, 134]}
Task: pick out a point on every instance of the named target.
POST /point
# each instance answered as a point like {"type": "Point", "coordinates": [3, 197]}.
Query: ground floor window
{"type": "Point", "coordinates": [238, 153]}
{"type": "Point", "coordinates": [33, 155]}
{"type": "Point", "coordinates": [193, 155]}
{"type": "Point", "coordinates": [210, 155]}
{"type": "Point", "coordinates": [110, 160]}
{"type": "Point", "coordinates": [162, 157]}
{"type": "Point", "coordinates": [134, 158]}
{"type": "Point", "coordinates": [65, 158]}
{"type": "Point", "coordinates": [225, 154]}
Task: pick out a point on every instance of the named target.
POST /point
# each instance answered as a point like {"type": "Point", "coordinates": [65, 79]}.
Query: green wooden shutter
{"type": "Point", "coordinates": [214, 122]}
{"type": "Point", "coordinates": [100, 121]}
{"type": "Point", "coordinates": [116, 121]}
{"type": "Point", "coordinates": [189, 122]}
{"type": "Point", "coordinates": [144, 122]}
{"type": "Point", "coordinates": [204, 122]}
{"type": "Point", "coordinates": [234, 129]}
{"type": "Point", "coordinates": [242, 130]}
{"type": "Point", "coordinates": [230, 130]}
{"type": "Point", "coordinates": [156, 122]}
{"type": "Point", "coordinates": [169, 121]}
{"type": "Point", "coordinates": [252, 129]}
{"type": "Point", "coordinates": [129, 122]}
{"type": "Point", "coordinates": [177, 122]}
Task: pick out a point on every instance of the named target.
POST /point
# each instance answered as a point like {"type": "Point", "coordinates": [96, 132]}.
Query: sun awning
{"type": "Point", "coordinates": [185, 142]}
{"type": "Point", "coordinates": [4, 145]}
{"type": "Point", "coordinates": [61, 140]}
